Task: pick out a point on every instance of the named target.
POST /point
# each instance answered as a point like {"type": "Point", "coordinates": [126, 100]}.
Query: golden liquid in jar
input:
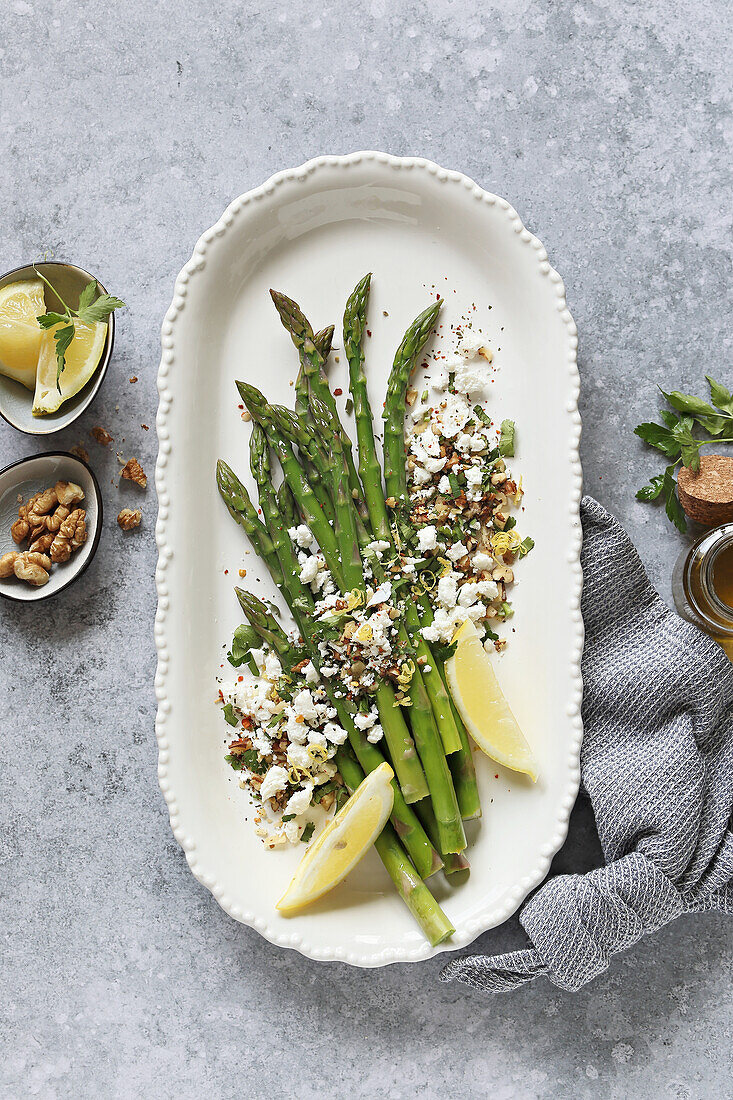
{"type": "Point", "coordinates": [702, 585]}
{"type": "Point", "coordinates": [722, 575]}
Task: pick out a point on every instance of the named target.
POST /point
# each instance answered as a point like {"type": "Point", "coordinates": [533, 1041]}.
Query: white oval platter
{"type": "Point", "coordinates": [313, 232]}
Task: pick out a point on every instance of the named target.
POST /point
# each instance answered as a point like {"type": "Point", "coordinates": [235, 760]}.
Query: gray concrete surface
{"type": "Point", "coordinates": [124, 131]}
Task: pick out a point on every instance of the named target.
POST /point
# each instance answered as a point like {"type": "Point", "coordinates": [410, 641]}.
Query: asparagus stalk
{"type": "Point", "coordinates": [286, 505]}
{"type": "Point", "coordinates": [297, 481]}
{"type": "Point", "coordinates": [243, 512]}
{"type": "Point", "coordinates": [432, 920]}
{"type": "Point", "coordinates": [312, 365]}
{"type": "Point", "coordinates": [412, 344]}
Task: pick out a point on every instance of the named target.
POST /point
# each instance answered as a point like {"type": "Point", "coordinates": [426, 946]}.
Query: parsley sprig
{"type": "Point", "coordinates": [675, 439]}
{"type": "Point", "coordinates": [90, 310]}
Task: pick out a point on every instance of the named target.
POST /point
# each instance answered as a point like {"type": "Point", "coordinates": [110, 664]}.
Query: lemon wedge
{"type": "Point", "coordinates": [82, 359]}
{"type": "Point", "coordinates": [483, 708]}
{"type": "Point", "coordinates": [20, 333]}
{"type": "Point", "coordinates": [343, 842]}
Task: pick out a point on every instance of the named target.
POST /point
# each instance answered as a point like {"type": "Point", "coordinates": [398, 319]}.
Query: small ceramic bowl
{"type": "Point", "coordinates": [16, 401]}
{"type": "Point", "coordinates": [27, 477]}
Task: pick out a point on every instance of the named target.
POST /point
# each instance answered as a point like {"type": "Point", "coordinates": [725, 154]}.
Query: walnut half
{"type": "Point", "coordinates": [133, 471]}
{"type": "Point", "coordinates": [129, 518]}
{"type": "Point", "coordinates": [32, 568]}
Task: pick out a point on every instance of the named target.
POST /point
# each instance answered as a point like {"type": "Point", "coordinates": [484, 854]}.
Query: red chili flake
{"type": "Point", "coordinates": [240, 406]}
{"type": "Point", "coordinates": [239, 679]}
{"type": "Point", "coordinates": [337, 392]}
{"type": "Point", "coordinates": [496, 777]}
{"type": "Point", "coordinates": [225, 572]}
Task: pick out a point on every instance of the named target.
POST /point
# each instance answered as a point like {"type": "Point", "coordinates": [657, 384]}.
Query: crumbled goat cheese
{"type": "Point", "coordinates": [427, 537]}
{"type": "Point", "coordinates": [375, 734]}
{"type": "Point", "coordinates": [310, 673]}
{"type": "Point", "coordinates": [299, 802]}
{"type": "Point", "coordinates": [481, 561]}
{"type": "Point", "coordinates": [420, 476]}
{"type": "Point", "coordinates": [275, 780]}
{"type": "Point", "coordinates": [488, 589]}
{"type": "Point", "coordinates": [457, 551]}
{"type": "Point", "coordinates": [444, 485]}
{"type": "Point", "coordinates": [447, 590]}
{"type": "Point", "coordinates": [365, 721]}
{"type": "Point", "coordinates": [378, 547]}
{"type": "Point", "coordinates": [301, 536]}
{"type": "Point", "coordinates": [381, 594]}
{"type": "Point", "coordinates": [449, 418]}
{"type": "Point", "coordinates": [473, 476]}
{"type": "Point", "coordinates": [335, 734]}
{"type": "Point", "coordinates": [304, 706]}
{"type": "Point", "coordinates": [273, 668]}
{"type": "Point", "coordinates": [309, 572]}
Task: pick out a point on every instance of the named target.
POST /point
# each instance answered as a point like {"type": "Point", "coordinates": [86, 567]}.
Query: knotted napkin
{"type": "Point", "coordinates": [657, 763]}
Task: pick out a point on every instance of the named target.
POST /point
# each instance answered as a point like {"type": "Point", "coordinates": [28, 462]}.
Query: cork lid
{"type": "Point", "coordinates": [707, 496]}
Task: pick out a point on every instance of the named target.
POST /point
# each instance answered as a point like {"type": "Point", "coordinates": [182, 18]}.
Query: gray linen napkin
{"type": "Point", "coordinates": [657, 763]}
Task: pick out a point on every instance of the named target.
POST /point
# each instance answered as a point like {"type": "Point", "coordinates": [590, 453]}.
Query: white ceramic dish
{"type": "Point", "coordinates": [312, 232]}
{"type": "Point", "coordinates": [28, 477]}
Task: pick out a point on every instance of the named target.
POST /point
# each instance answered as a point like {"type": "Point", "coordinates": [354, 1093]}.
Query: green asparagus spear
{"type": "Point", "coordinates": [435, 925]}
{"type": "Point", "coordinates": [298, 482]}
{"type": "Point", "coordinates": [311, 362]}
{"type": "Point", "coordinates": [412, 344]}
{"type": "Point", "coordinates": [243, 512]}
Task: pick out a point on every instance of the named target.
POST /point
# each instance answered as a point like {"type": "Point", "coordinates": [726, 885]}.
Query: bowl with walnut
{"type": "Point", "coordinates": [50, 522]}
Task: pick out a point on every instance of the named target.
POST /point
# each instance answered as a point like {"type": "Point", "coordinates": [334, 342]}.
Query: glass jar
{"type": "Point", "coordinates": [702, 585]}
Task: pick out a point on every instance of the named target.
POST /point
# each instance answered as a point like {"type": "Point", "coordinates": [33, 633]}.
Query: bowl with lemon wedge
{"type": "Point", "coordinates": [57, 332]}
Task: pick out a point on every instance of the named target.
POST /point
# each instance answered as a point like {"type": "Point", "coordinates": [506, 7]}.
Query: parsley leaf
{"type": "Point", "coordinates": [63, 337]}
{"type": "Point", "coordinates": [672, 506]}
{"type": "Point", "coordinates": [720, 396]}
{"type": "Point", "coordinates": [87, 295]}
{"type": "Point", "coordinates": [99, 310]}
{"type": "Point", "coordinates": [661, 438]}
{"type": "Point", "coordinates": [307, 832]}
{"type": "Point", "coordinates": [229, 715]}
{"type": "Point", "coordinates": [48, 320]}
{"type": "Point", "coordinates": [506, 440]}
{"type": "Point", "coordinates": [652, 490]}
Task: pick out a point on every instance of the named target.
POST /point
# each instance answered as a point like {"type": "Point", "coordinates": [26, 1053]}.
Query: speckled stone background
{"type": "Point", "coordinates": [124, 131]}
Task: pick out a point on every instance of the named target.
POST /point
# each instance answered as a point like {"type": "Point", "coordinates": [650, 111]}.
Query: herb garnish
{"type": "Point", "coordinates": [675, 439]}
{"type": "Point", "coordinates": [506, 440]}
{"type": "Point", "coordinates": [307, 832]}
{"type": "Point", "coordinates": [90, 310]}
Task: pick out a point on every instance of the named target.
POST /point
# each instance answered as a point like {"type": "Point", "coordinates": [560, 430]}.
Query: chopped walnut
{"type": "Point", "coordinates": [71, 535]}
{"type": "Point", "coordinates": [7, 563]}
{"type": "Point", "coordinates": [41, 503]}
{"type": "Point", "coordinates": [43, 543]}
{"type": "Point", "coordinates": [102, 436]}
{"type": "Point", "coordinates": [32, 568]}
{"type": "Point", "coordinates": [129, 518]}
{"type": "Point", "coordinates": [20, 529]}
{"type": "Point", "coordinates": [133, 471]}
{"type": "Point", "coordinates": [54, 522]}
{"type": "Point", "coordinates": [67, 492]}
